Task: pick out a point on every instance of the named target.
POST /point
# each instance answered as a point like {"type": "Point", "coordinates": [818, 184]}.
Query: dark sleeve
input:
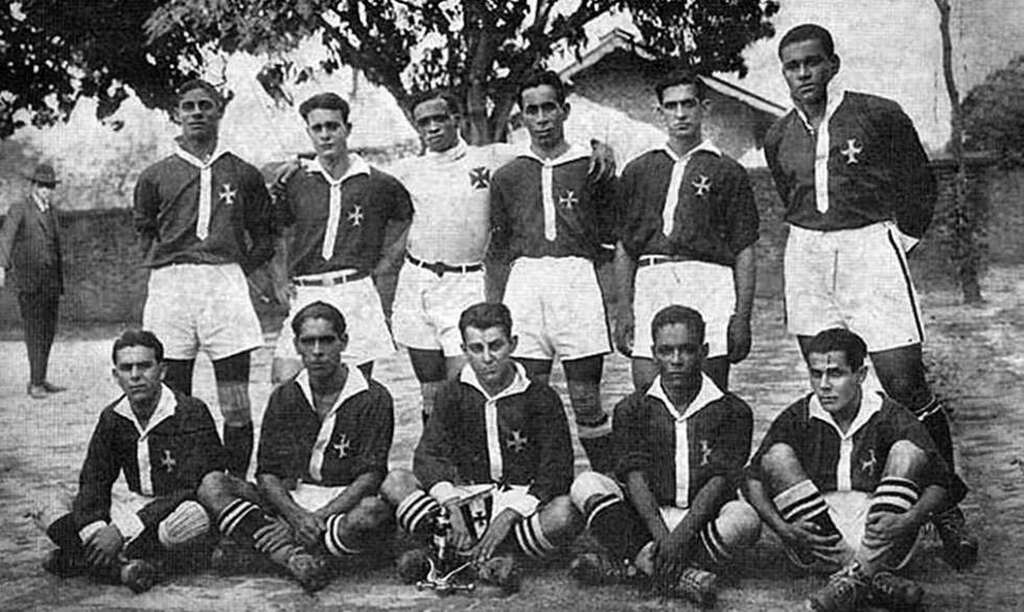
{"type": "Point", "coordinates": [9, 231]}
{"type": "Point", "coordinates": [787, 428]}
{"type": "Point", "coordinates": [284, 210]}
{"type": "Point", "coordinates": [629, 211]}
{"type": "Point", "coordinates": [914, 185]}
{"type": "Point", "coordinates": [146, 208]}
{"type": "Point", "coordinates": [100, 470]}
{"type": "Point", "coordinates": [606, 193]}
{"type": "Point", "coordinates": [203, 452]}
{"type": "Point", "coordinates": [741, 211]}
{"type": "Point", "coordinates": [434, 458]}
{"type": "Point", "coordinates": [259, 221]}
{"type": "Point", "coordinates": [500, 223]}
{"type": "Point", "coordinates": [157, 510]}
{"type": "Point", "coordinates": [771, 157]}
{"type": "Point", "coordinates": [631, 447]}
{"type": "Point", "coordinates": [905, 426]}
{"type": "Point", "coordinates": [401, 202]}
{"type": "Point", "coordinates": [555, 471]}
{"type": "Point", "coordinates": [378, 434]}
{"type": "Point", "coordinates": [277, 456]}
{"type": "Point", "coordinates": [734, 438]}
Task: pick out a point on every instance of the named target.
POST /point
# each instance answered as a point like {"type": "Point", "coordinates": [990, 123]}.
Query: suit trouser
{"type": "Point", "coordinates": [39, 315]}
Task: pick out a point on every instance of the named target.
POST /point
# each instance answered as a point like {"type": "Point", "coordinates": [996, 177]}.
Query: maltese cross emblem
{"type": "Point", "coordinates": [227, 194]}
{"type": "Point", "coordinates": [702, 186]}
{"type": "Point", "coordinates": [168, 461]}
{"type": "Point", "coordinates": [568, 199]}
{"type": "Point", "coordinates": [342, 446]}
{"type": "Point", "coordinates": [851, 151]}
{"type": "Point", "coordinates": [517, 442]}
{"type": "Point", "coordinates": [356, 216]}
{"type": "Point", "coordinates": [480, 177]}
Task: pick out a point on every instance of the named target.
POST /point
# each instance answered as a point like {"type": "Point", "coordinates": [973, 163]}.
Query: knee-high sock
{"type": "Point", "coordinates": [608, 520]}
{"type": "Point", "coordinates": [804, 502]}
{"type": "Point", "coordinates": [240, 521]}
{"type": "Point", "coordinates": [417, 514]}
{"type": "Point", "coordinates": [897, 495]}
{"type": "Point", "coordinates": [238, 446]}
{"type": "Point", "coordinates": [531, 539]}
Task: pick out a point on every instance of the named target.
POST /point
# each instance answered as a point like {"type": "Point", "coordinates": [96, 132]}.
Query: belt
{"type": "Point", "coordinates": [439, 267]}
{"type": "Point", "coordinates": [653, 260]}
{"type": "Point", "coordinates": [329, 279]}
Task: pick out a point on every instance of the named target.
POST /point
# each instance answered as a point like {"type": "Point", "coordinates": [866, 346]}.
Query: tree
{"type": "Point", "coordinates": [54, 52]}
{"type": "Point", "coordinates": [479, 48]}
{"type": "Point", "coordinates": [993, 114]}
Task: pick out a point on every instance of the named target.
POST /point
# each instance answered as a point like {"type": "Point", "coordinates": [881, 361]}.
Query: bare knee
{"type": "Point", "coordinates": [740, 524]}
{"type": "Point", "coordinates": [369, 513]}
{"type": "Point", "coordinates": [399, 484]}
{"type": "Point", "coordinates": [782, 467]}
{"type": "Point", "coordinates": [906, 459]}
{"type": "Point", "coordinates": [559, 515]}
{"type": "Point", "coordinates": [216, 490]}
{"type": "Point", "coordinates": [589, 485]}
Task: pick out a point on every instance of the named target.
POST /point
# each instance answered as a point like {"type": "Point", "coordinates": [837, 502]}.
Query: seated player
{"type": "Point", "coordinates": [164, 444]}
{"type": "Point", "coordinates": [496, 432]}
{"type": "Point", "coordinates": [323, 452]}
{"type": "Point", "coordinates": [846, 479]}
{"type": "Point", "coordinates": [682, 445]}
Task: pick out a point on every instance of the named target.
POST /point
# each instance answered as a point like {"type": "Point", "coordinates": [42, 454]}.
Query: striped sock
{"type": "Point", "coordinates": [416, 513]}
{"type": "Point", "coordinates": [894, 494]}
{"type": "Point", "coordinates": [333, 537]}
{"type": "Point", "coordinates": [531, 539]}
{"type": "Point", "coordinates": [241, 519]}
{"type": "Point", "coordinates": [713, 553]}
{"type": "Point", "coordinates": [608, 522]}
{"type": "Point", "coordinates": [803, 502]}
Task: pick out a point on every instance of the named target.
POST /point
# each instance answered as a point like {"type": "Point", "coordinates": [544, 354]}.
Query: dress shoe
{"type": "Point", "coordinates": [52, 388]}
{"type": "Point", "coordinates": [37, 391]}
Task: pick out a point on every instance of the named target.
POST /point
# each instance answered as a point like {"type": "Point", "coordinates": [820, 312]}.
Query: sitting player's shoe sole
{"type": "Point", "coordinates": [893, 592]}
{"type": "Point", "coordinates": [65, 564]}
{"type": "Point", "coordinates": [699, 586]}
{"type": "Point", "coordinates": [413, 565]}
{"type": "Point", "coordinates": [500, 571]}
{"type": "Point", "coordinates": [312, 572]}
{"type": "Point", "coordinates": [959, 547]}
{"type": "Point", "coordinates": [138, 575]}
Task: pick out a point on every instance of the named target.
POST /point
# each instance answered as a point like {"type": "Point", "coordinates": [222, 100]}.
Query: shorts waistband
{"type": "Point", "coordinates": [439, 267]}
{"type": "Point", "coordinates": [653, 260]}
{"type": "Point", "coordinates": [329, 279]}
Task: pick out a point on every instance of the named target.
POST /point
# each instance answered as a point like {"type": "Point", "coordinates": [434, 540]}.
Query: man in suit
{"type": "Point", "coordinates": [29, 242]}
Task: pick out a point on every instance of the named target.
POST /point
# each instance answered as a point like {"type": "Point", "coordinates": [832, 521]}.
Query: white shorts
{"type": "Point", "coordinates": [427, 307]}
{"type": "Point", "coordinates": [490, 502]}
{"type": "Point", "coordinates": [193, 307]}
{"type": "Point", "coordinates": [359, 303]}
{"type": "Point", "coordinates": [313, 497]}
{"type": "Point", "coordinates": [858, 279]}
{"type": "Point", "coordinates": [557, 308]}
{"type": "Point", "coordinates": [849, 511]}
{"type": "Point", "coordinates": [706, 287]}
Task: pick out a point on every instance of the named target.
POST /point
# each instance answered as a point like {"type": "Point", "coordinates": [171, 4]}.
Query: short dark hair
{"type": "Point", "coordinates": [138, 337]}
{"type": "Point", "coordinates": [327, 101]}
{"type": "Point", "coordinates": [206, 86]}
{"type": "Point", "coordinates": [682, 76]}
{"type": "Point", "coordinates": [677, 315]}
{"type": "Point", "coordinates": [543, 77]}
{"type": "Point", "coordinates": [809, 31]}
{"type": "Point", "coordinates": [437, 93]}
{"type": "Point", "coordinates": [319, 310]}
{"type": "Point", "coordinates": [840, 340]}
{"type": "Point", "coordinates": [486, 315]}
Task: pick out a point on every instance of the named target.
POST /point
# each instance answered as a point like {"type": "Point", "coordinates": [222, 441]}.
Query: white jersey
{"type": "Point", "coordinates": [451, 201]}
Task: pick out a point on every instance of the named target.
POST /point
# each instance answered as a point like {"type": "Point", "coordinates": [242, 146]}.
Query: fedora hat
{"type": "Point", "coordinates": [44, 175]}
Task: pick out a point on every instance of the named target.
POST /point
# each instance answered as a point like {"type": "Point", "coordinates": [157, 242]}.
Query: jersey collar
{"type": "Point", "coordinates": [449, 155]}
{"type": "Point", "coordinates": [836, 93]}
{"type": "Point", "coordinates": [574, 153]}
{"type": "Point", "coordinates": [355, 384]}
{"type": "Point", "coordinates": [164, 410]}
{"type": "Point", "coordinates": [356, 166]}
{"type": "Point", "coordinates": [705, 145]}
{"type": "Point", "coordinates": [195, 161]}
{"type": "Point", "coordinates": [709, 392]}
{"type": "Point", "coordinates": [870, 404]}
{"type": "Point", "coordinates": [519, 384]}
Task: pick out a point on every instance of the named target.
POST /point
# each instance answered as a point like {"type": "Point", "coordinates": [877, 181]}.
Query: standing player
{"type": "Point", "coordinates": [858, 195]}
{"type": "Point", "coordinates": [687, 232]}
{"type": "Point", "coordinates": [335, 211]}
{"type": "Point", "coordinates": [30, 244]}
{"type": "Point", "coordinates": [323, 453]}
{"type": "Point", "coordinates": [846, 479]}
{"type": "Point", "coordinates": [683, 444]}
{"type": "Point", "coordinates": [204, 221]}
{"type": "Point", "coordinates": [549, 219]}
{"type": "Point", "coordinates": [443, 274]}
{"type": "Point", "coordinates": [497, 434]}
{"type": "Point", "coordinates": [163, 444]}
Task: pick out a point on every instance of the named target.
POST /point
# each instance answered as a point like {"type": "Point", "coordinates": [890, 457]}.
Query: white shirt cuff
{"type": "Point", "coordinates": [90, 530]}
{"type": "Point", "coordinates": [130, 526]}
{"type": "Point", "coordinates": [520, 501]}
{"type": "Point", "coordinates": [444, 491]}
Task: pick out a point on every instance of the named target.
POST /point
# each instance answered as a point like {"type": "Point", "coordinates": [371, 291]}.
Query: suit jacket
{"type": "Point", "coordinates": [29, 242]}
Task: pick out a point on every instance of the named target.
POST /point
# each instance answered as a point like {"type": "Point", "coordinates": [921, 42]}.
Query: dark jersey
{"type": "Point", "coordinates": [679, 453]}
{"type": "Point", "coordinates": [876, 169]}
{"type": "Point", "coordinates": [353, 438]}
{"type": "Point", "coordinates": [166, 212]}
{"type": "Point", "coordinates": [166, 459]}
{"type": "Point", "coordinates": [369, 200]}
{"type": "Point", "coordinates": [854, 460]}
{"type": "Point", "coordinates": [715, 217]}
{"type": "Point", "coordinates": [551, 208]}
{"type": "Point", "coordinates": [518, 437]}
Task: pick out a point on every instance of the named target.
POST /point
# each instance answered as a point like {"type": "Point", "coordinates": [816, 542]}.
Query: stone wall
{"type": "Point", "coordinates": [105, 283]}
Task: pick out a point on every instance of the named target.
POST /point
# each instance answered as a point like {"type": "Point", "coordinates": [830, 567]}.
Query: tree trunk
{"type": "Point", "coordinates": [966, 214]}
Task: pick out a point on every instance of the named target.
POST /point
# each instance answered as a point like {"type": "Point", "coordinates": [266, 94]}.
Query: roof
{"type": "Point", "coordinates": [618, 39]}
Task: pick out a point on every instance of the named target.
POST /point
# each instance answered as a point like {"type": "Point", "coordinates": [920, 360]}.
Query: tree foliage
{"type": "Point", "coordinates": [54, 52]}
{"type": "Point", "coordinates": [994, 114]}
{"type": "Point", "coordinates": [479, 48]}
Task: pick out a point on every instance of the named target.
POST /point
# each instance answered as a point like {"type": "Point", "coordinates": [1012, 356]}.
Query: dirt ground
{"type": "Point", "coordinates": [975, 361]}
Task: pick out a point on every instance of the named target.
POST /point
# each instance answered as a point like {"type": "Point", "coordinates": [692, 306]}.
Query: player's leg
{"type": "Point", "coordinates": [234, 505]}
{"type": "Point", "coordinates": [551, 527]}
{"type": "Point", "coordinates": [181, 537]}
{"type": "Point", "coordinates": [360, 530]}
{"type": "Point", "coordinates": [644, 371]}
{"type": "Point", "coordinates": [232, 376]}
{"type": "Point", "coordinates": [178, 374]}
{"type": "Point", "coordinates": [611, 522]}
{"type": "Point", "coordinates": [49, 313]}
{"type": "Point", "coordinates": [415, 510]}
{"type": "Point", "coordinates": [717, 369]}
{"type": "Point", "coordinates": [172, 315]}
{"type": "Point", "coordinates": [797, 500]}
{"type": "Point", "coordinates": [537, 369]}
{"type": "Point", "coordinates": [430, 368]}
{"type": "Point", "coordinates": [32, 318]}
{"type": "Point", "coordinates": [594, 426]}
